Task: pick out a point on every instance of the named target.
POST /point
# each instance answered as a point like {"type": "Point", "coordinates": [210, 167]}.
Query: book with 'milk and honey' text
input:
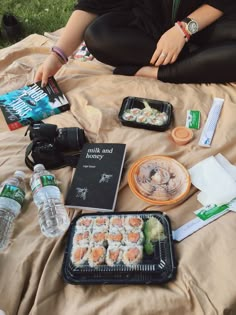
{"type": "Point", "coordinates": [96, 180]}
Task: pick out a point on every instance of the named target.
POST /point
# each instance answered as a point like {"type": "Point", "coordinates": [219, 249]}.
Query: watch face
{"type": "Point", "coordinates": [192, 27]}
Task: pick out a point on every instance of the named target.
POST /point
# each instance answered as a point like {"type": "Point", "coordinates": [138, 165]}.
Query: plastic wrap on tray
{"type": "Point", "coordinates": [159, 180]}
{"type": "Point", "coordinates": [145, 113]}
{"type": "Point", "coordinates": [131, 247]}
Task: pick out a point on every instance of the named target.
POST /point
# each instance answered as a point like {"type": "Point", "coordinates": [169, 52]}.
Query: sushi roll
{"type": "Point", "coordinates": [148, 112]}
{"type": "Point", "coordinates": [116, 222]}
{"type": "Point", "coordinates": [128, 116]}
{"type": "Point", "coordinates": [101, 223]}
{"type": "Point", "coordinates": [157, 121]}
{"type": "Point", "coordinates": [97, 256]}
{"type": "Point", "coordinates": [115, 237]}
{"type": "Point", "coordinates": [164, 117]}
{"type": "Point", "coordinates": [80, 255]}
{"type": "Point", "coordinates": [84, 223]}
{"type": "Point", "coordinates": [99, 237]}
{"type": "Point", "coordinates": [114, 255]}
{"type": "Point", "coordinates": [81, 237]}
{"type": "Point", "coordinates": [135, 111]}
{"type": "Point", "coordinates": [142, 119]}
{"type": "Point", "coordinates": [133, 222]}
{"type": "Point", "coordinates": [132, 255]}
{"type": "Point", "coordinates": [134, 237]}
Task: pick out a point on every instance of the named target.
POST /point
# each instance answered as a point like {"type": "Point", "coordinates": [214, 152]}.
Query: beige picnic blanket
{"type": "Point", "coordinates": [31, 281]}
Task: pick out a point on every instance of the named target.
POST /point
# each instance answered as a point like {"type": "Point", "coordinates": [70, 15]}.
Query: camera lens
{"type": "Point", "coordinates": [70, 139]}
{"type": "Point", "coordinates": [43, 131]}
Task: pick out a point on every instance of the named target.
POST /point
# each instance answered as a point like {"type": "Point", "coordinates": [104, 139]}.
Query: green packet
{"type": "Point", "coordinates": [207, 212]}
{"type": "Point", "coordinates": [210, 211]}
{"type": "Point", "coordinates": [193, 119]}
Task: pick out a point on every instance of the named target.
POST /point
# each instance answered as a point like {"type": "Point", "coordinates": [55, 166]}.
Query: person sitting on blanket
{"type": "Point", "coordinates": [171, 40]}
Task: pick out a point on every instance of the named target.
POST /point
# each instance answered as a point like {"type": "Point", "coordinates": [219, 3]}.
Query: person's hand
{"type": "Point", "coordinates": [168, 47]}
{"type": "Point", "coordinates": [49, 68]}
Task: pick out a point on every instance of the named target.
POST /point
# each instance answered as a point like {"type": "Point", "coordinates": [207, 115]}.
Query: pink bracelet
{"type": "Point", "coordinates": [60, 53]}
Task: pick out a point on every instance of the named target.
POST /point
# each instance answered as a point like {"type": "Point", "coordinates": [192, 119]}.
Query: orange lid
{"type": "Point", "coordinates": [182, 135]}
{"type": "Point", "coordinates": [172, 195]}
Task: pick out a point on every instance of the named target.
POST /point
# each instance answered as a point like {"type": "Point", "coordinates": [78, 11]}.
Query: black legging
{"type": "Point", "coordinates": [210, 56]}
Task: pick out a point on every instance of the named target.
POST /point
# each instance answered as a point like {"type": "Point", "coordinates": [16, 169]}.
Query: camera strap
{"type": "Point", "coordinates": [56, 161]}
{"type": "Point", "coordinates": [28, 161]}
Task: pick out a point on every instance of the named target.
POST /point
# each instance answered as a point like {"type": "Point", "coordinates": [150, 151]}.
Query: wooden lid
{"type": "Point", "coordinates": [182, 135]}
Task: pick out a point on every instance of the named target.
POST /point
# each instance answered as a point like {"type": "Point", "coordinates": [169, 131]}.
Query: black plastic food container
{"type": "Point", "coordinates": [131, 102]}
{"type": "Point", "coordinates": [156, 268]}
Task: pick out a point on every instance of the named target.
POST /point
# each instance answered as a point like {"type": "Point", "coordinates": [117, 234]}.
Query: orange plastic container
{"type": "Point", "coordinates": [159, 180]}
{"type": "Point", "coordinates": [182, 135]}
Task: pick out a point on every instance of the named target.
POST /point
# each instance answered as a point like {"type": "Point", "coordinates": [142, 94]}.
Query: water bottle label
{"type": "Point", "coordinates": [42, 181]}
{"type": "Point", "coordinates": [13, 192]}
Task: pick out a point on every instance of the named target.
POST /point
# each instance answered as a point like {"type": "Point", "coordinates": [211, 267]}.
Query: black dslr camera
{"type": "Point", "coordinates": [52, 146]}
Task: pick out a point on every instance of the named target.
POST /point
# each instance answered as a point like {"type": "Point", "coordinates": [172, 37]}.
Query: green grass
{"type": "Point", "coordinates": [37, 16]}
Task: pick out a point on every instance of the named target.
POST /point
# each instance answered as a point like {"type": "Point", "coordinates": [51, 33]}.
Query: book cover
{"type": "Point", "coordinates": [32, 103]}
{"type": "Point", "coordinates": [96, 180]}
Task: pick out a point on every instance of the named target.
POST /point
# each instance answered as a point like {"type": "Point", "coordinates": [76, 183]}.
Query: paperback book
{"type": "Point", "coordinates": [96, 180]}
{"type": "Point", "coordinates": [32, 103]}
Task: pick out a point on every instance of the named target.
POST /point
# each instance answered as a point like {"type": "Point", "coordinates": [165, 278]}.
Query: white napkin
{"type": "Point", "coordinates": [230, 169]}
{"type": "Point", "coordinates": [213, 177]}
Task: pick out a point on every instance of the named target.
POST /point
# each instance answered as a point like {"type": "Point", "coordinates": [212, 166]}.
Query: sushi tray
{"type": "Point", "coordinates": [145, 113]}
{"type": "Point", "coordinates": [125, 247]}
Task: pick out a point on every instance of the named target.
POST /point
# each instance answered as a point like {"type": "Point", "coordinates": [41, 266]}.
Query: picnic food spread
{"type": "Point", "coordinates": [95, 103]}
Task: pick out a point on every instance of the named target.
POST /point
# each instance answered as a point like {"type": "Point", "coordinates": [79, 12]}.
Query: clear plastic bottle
{"type": "Point", "coordinates": [12, 195]}
{"type": "Point", "coordinates": [53, 217]}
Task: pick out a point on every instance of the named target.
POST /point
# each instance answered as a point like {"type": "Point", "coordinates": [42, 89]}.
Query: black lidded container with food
{"type": "Point", "coordinates": [121, 261]}
{"type": "Point", "coordinates": [131, 103]}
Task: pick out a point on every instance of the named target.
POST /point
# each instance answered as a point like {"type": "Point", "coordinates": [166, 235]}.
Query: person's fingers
{"type": "Point", "coordinates": [174, 58]}
{"type": "Point", "coordinates": [161, 59]}
{"type": "Point", "coordinates": [167, 60]}
{"type": "Point", "coordinates": [155, 56]}
{"type": "Point", "coordinates": [38, 77]}
{"type": "Point", "coordinates": [45, 76]}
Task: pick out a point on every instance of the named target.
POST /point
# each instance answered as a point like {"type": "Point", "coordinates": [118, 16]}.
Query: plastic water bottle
{"type": "Point", "coordinates": [12, 195]}
{"type": "Point", "coordinates": [53, 217]}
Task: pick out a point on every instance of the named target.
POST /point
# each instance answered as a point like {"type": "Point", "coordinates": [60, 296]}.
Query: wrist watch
{"type": "Point", "coordinates": [191, 26]}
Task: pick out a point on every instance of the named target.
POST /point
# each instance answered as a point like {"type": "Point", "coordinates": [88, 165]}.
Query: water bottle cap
{"type": "Point", "coordinates": [20, 174]}
{"type": "Point", "coordinates": [39, 167]}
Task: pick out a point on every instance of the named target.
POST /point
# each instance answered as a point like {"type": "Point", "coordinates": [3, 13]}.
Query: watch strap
{"type": "Point", "coordinates": [186, 20]}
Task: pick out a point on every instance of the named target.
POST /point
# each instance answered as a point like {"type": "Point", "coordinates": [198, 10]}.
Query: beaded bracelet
{"type": "Point", "coordinates": [183, 31]}
{"type": "Point", "coordinates": [60, 53]}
